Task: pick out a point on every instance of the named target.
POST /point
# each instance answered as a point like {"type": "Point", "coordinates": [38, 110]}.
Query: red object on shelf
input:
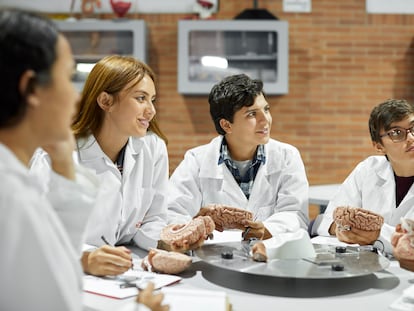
{"type": "Point", "coordinates": [120, 8]}
{"type": "Point", "coordinates": [205, 4]}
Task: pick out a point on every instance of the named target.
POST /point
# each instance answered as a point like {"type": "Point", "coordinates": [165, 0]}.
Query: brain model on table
{"type": "Point", "coordinates": [180, 235]}
{"type": "Point", "coordinates": [162, 261]}
{"type": "Point", "coordinates": [226, 217]}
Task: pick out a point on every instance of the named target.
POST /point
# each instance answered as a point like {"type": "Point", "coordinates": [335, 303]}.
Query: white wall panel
{"type": "Point", "coordinates": [138, 6]}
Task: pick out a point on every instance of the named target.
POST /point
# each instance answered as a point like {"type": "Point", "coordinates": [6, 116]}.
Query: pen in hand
{"type": "Point", "coordinates": [107, 243]}
{"type": "Point", "coordinates": [105, 240]}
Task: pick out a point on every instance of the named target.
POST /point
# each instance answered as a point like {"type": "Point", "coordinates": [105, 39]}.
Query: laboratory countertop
{"type": "Point", "coordinates": [247, 292]}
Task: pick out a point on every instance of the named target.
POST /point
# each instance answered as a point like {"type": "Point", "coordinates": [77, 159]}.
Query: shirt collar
{"type": "Point", "coordinates": [225, 156]}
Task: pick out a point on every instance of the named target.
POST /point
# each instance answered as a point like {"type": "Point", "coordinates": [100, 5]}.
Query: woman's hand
{"type": "Point", "coordinates": [60, 154]}
{"type": "Point", "coordinates": [107, 260]}
{"type": "Point", "coordinates": [151, 300]}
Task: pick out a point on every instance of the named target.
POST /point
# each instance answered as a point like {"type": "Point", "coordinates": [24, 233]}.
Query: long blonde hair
{"type": "Point", "coordinates": [111, 74]}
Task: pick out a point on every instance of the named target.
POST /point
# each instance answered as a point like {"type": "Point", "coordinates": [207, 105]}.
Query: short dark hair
{"type": "Point", "coordinates": [27, 42]}
{"type": "Point", "coordinates": [386, 113]}
{"type": "Point", "coordinates": [230, 95]}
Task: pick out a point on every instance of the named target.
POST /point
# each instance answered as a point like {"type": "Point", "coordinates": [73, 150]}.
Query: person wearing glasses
{"type": "Point", "coordinates": [382, 183]}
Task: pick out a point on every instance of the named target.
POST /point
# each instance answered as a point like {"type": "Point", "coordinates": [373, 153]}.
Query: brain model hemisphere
{"type": "Point", "coordinates": [165, 262]}
{"type": "Point", "coordinates": [190, 233]}
{"type": "Point", "coordinates": [359, 218]}
{"type": "Point", "coordinates": [404, 249]}
{"type": "Point", "coordinates": [403, 240]}
{"type": "Point", "coordinates": [227, 217]}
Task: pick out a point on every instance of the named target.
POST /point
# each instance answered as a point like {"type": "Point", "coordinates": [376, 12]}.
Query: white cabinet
{"type": "Point", "coordinates": [93, 39]}
{"type": "Point", "coordinates": [211, 50]}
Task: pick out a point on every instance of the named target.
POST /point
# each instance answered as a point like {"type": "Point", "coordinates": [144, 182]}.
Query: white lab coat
{"type": "Point", "coordinates": [132, 206]}
{"type": "Point", "coordinates": [39, 266]}
{"type": "Point", "coordinates": [67, 207]}
{"type": "Point", "coordinates": [47, 181]}
{"type": "Point", "coordinates": [279, 195]}
{"type": "Point", "coordinates": [371, 185]}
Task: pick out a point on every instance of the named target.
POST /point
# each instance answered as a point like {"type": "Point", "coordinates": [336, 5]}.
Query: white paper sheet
{"type": "Point", "coordinates": [225, 236]}
{"type": "Point", "coordinates": [181, 299]}
{"type": "Point", "coordinates": [406, 301]}
{"type": "Point", "coordinates": [110, 286]}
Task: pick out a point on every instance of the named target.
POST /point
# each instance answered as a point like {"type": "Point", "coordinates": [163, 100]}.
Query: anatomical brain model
{"type": "Point", "coordinates": [226, 217]}
{"type": "Point", "coordinates": [180, 235]}
{"type": "Point", "coordinates": [403, 243]}
{"type": "Point", "coordinates": [353, 217]}
{"type": "Point", "coordinates": [162, 261]}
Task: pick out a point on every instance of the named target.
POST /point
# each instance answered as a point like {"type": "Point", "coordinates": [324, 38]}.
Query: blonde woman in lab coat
{"type": "Point", "coordinates": [242, 167]}
{"type": "Point", "coordinates": [381, 183]}
{"type": "Point", "coordinates": [118, 138]}
{"type": "Point", "coordinates": [39, 266]}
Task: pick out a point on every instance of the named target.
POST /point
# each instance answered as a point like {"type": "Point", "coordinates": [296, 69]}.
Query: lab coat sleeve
{"type": "Point", "coordinates": [291, 211]}
{"type": "Point", "coordinates": [385, 237]}
{"type": "Point", "coordinates": [73, 200]}
{"type": "Point", "coordinates": [349, 194]}
{"type": "Point", "coordinates": [184, 194]}
{"type": "Point", "coordinates": [38, 251]}
{"type": "Point", "coordinates": [156, 217]}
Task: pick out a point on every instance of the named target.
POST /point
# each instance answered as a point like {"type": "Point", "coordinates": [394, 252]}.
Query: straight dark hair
{"type": "Point", "coordinates": [27, 42]}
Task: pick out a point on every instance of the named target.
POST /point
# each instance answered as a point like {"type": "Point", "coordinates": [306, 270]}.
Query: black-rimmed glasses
{"type": "Point", "coordinates": [399, 134]}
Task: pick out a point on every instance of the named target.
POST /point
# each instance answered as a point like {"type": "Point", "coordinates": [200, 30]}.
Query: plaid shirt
{"type": "Point", "coordinates": [245, 182]}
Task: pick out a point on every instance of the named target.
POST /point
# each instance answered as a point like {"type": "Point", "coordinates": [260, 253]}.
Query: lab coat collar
{"type": "Point", "coordinates": [89, 148]}
{"type": "Point", "coordinates": [133, 148]}
{"type": "Point", "coordinates": [92, 151]}
{"type": "Point", "coordinates": [135, 144]}
{"type": "Point", "coordinates": [212, 155]}
{"type": "Point", "coordinates": [383, 171]}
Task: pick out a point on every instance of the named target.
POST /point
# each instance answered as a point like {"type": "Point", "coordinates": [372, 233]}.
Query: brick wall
{"type": "Point", "coordinates": [343, 62]}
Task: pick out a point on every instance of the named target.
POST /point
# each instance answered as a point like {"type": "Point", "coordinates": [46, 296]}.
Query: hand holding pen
{"type": "Point", "coordinates": [107, 260]}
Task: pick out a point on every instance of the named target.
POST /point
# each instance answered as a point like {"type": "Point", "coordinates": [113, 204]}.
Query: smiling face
{"type": "Point", "coordinates": [250, 127]}
{"type": "Point", "coordinates": [133, 109]}
{"type": "Point", "coordinates": [400, 154]}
